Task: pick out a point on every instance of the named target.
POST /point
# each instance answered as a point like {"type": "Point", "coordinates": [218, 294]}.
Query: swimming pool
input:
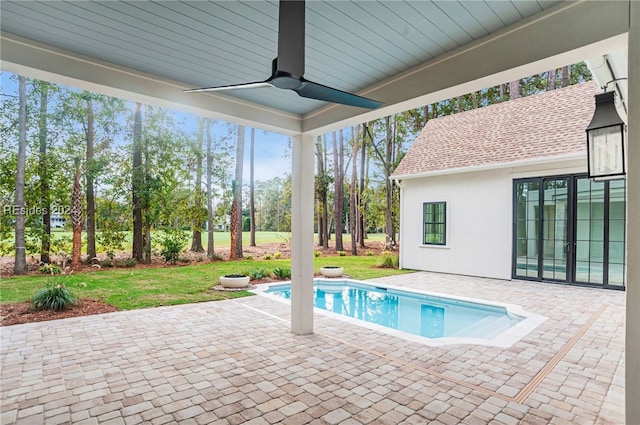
{"type": "Point", "coordinates": [435, 318]}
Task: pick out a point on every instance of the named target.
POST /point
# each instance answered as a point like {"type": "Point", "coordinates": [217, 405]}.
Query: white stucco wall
{"type": "Point", "coordinates": [479, 219]}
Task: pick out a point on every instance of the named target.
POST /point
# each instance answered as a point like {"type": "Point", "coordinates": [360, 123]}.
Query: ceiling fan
{"type": "Point", "coordinates": [287, 69]}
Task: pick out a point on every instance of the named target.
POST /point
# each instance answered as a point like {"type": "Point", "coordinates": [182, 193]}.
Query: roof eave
{"type": "Point", "coordinates": [495, 166]}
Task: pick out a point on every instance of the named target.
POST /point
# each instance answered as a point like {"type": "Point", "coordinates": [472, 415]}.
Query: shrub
{"type": "Point", "coordinates": [61, 245]}
{"type": "Point", "coordinates": [282, 272]}
{"type": "Point", "coordinates": [369, 253]}
{"type": "Point", "coordinates": [111, 241]}
{"type": "Point", "coordinates": [277, 255]}
{"type": "Point", "coordinates": [106, 263]}
{"type": "Point", "coordinates": [317, 253]}
{"type": "Point", "coordinates": [266, 257]}
{"type": "Point", "coordinates": [389, 262]}
{"type": "Point", "coordinates": [258, 273]}
{"type": "Point", "coordinates": [128, 262]}
{"type": "Point", "coordinates": [173, 242]}
{"type": "Point", "coordinates": [248, 257]}
{"type": "Point", "coordinates": [50, 269]}
{"type": "Point", "coordinates": [216, 257]}
{"type": "Point", "coordinates": [342, 253]}
{"type": "Point", "coordinates": [56, 297]}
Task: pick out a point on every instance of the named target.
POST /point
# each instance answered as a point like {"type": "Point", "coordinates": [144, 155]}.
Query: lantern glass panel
{"type": "Point", "coordinates": [605, 151]}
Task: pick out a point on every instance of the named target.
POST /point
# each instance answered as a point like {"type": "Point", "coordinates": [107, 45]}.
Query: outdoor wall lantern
{"type": "Point", "coordinates": [606, 140]}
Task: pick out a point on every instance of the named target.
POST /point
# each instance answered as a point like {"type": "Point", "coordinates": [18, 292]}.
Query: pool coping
{"type": "Point", "coordinates": [505, 339]}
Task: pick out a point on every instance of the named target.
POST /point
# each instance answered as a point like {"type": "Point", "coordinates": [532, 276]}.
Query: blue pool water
{"type": "Point", "coordinates": [415, 313]}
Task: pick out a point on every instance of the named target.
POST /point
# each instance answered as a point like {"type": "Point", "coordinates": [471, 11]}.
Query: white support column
{"type": "Point", "coordinates": [632, 355]}
{"type": "Point", "coordinates": [302, 186]}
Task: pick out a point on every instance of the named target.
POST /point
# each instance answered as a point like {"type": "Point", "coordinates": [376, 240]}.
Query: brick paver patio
{"type": "Point", "coordinates": [233, 362]}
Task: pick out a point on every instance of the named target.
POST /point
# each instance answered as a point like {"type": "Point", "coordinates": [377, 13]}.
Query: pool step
{"type": "Point", "coordinates": [486, 328]}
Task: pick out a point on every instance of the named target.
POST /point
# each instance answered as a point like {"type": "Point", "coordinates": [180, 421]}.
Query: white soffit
{"type": "Point", "coordinates": [563, 34]}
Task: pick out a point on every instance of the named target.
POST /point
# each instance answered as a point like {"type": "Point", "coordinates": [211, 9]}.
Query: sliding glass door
{"type": "Point", "coordinates": [555, 229]}
{"type": "Point", "coordinates": [569, 229]}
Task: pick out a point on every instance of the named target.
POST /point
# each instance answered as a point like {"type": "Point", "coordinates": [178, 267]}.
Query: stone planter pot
{"type": "Point", "coordinates": [234, 281]}
{"type": "Point", "coordinates": [331, 271]}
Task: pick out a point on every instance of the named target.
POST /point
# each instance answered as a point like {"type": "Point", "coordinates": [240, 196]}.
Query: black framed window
{"type": "Point", "coordinates": [435, 223]}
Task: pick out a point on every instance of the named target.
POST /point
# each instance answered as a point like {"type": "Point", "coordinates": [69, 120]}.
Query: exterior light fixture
{"type": "Point", "coordinates": [606, 140]}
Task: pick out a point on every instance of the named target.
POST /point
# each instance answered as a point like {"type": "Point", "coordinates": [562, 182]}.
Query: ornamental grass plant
{"type": "Point", "coordinates": [56, 297]}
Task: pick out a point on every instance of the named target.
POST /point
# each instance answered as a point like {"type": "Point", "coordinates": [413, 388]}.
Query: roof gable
{"type": "Point", "coordinates": [539, 126]}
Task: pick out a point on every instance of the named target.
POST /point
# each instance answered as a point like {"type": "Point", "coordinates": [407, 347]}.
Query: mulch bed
{"type": "Point", "coordinates": [18, 313]}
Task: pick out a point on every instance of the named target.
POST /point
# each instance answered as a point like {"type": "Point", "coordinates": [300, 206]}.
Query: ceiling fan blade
{"type": "Point", "coordinates": [254, 85]}
{"type": "Point", "coordinates": [328, 94]}
{"type": "Point", "coordinates": [291, 27]}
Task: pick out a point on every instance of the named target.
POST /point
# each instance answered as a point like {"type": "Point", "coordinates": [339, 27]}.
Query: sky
{"type": "Point", "coordinates": [272, 151]}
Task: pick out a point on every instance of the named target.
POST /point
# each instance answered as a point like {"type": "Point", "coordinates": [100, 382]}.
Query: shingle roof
{"type": "Point", "coordinates": [544, 125]}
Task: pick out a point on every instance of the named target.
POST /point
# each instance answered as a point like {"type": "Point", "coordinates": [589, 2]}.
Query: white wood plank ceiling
{"type": "Point", "coordinates": [350, 44]}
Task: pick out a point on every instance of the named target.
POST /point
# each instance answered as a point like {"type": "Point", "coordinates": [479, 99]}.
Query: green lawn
{"type": "Point", "coordinates": [221, 239]}
{"type": "Point", "coordinates": [133, 288]}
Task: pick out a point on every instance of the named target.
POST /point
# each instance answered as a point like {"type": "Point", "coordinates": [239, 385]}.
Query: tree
{"type": "Point", "coordinates": [353, 191]}
{"type": "Point", "coordinates": [323, 179]}
{"type": "Point", "coordinates": [361, 201]}
{"type": "Point", "coordinates": [20, 264]}
{"type": "Point", "coordinates": [338, 186]}
{"type": "Point", "coordinates": [137, 183]}
{"type": "Point", "coordinates": [235, 226]}
{"type": "Point", "coordinates": [43, 174]}
{"type": "Point", "coordinates": [514, 89]}
{"type": "Point", "coordinates": [551, 80]}
{"type": "Point", "coordinates": [565, 75]}
{"type": "Point", "coordinates": [210, 239]}
{"type": "Point", "coordinates": [252, 207]}
{"type": "Point", "coordinates": [76, 215]}
{"type": "Point", "coordinates": [196, 240]}
{"type": "Point", "coordinates": [384, 151]}
{"type": "Point", "coordinates": [91, 203]}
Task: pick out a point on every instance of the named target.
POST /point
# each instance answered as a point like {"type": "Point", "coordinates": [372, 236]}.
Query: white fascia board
{"type": "Point", "coordinates": [497, 165]}
{"type": "Point", "coordinates": [567, 33]}
{"type": "Point", "coordinates": [36, 60]}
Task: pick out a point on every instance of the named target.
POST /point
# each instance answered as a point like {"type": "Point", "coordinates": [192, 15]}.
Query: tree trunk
{"type": "Point", "coordinates": [210, 241]}
{"type": "Point", "coordinates": [319, 184]}
{"type": "Point", "coordinates": [91, 203]}
{"type": "Point", "coordinates": [20, 263]}
{"type": "Point", "coordinates": [353, 195]}
{"type": "Point", "coordinates": [235, 226]}
{"type": "Point", "coordinates": [76, 217]}
{"type": "Point", "coordinates": [252, 207]}
{"type": "Point", "coordinates": [196, 240]}
{"type": "Point", "coordinates": [321, 194]}
{"type": "Point", "coordinates": [387, 164]}
{"type": "Point", "coordinates": [514, 89]}
{"type": "Point", "coordinates": [325, 196]}
{"type": "Point", "coordinates": [551, 80]}
{"type": "Point", "coordinates": [43, 172]}
{"type": "Point", "coordinates": [361, 203]}
{"type": "Point", "coordinates": [565, 75]}
{"type": "Point", "coordinates": [137, 182]}
{"type": "Point", "coordinates": [338, 173]}
{"type": "Point", "coordinates": [503, 92]}
{"type": "Point", "coordinates": [146, 202]}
